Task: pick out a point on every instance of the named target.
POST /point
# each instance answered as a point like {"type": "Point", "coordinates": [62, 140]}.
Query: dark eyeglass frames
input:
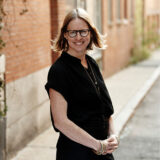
{"type": "Point", "coordinates": [73, 33]}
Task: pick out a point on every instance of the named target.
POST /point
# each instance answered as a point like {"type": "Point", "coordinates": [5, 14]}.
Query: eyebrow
{"type": "Point", "coordinates": [77, 30]}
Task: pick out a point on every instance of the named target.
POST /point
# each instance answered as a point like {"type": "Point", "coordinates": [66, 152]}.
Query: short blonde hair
{"type": "Point", "coordinates": [60, 43]}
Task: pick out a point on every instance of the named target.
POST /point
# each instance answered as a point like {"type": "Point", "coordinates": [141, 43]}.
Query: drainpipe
{"type": "Point", "coordinates": [2, 109]}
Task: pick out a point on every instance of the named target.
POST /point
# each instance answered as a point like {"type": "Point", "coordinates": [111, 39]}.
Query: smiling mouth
{"type": "Point", "coordinates": [78, 43]}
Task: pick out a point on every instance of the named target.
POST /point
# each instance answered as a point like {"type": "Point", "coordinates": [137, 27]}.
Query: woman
{"type": "Point", "coordinates": [80, 104]}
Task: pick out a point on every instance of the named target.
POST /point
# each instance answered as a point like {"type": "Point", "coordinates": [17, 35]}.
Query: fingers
{"type": "Point", "coordinates": [113, 138]}
{"type": "Point", "coordinates": [111, 145]}
{"type": "Point", "coordinates": [107, 146]}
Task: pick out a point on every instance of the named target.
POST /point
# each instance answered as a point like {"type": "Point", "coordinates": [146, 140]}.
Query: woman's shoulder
{"type": "Point", "coordinates": [58, 67]}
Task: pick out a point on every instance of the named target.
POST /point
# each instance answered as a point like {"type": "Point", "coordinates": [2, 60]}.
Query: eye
{"type": "Point", "coordinates": [72, 33]}
{"type": "Point", "coordinates": [83, 32]}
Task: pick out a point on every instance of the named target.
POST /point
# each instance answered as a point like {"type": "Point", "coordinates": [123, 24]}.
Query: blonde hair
{"type": "Point", "coordinates": [60, 43]}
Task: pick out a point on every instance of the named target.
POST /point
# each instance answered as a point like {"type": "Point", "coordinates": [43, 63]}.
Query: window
{"type": "Point", "coordinates": [70, 4]}
{"type": "Point", "coordinates": [94, 11]}
{"type": "Point", "coordinates": [125, 9]}
{"type": "Point", "coordinates": [81, 3]}
{"type": "Point", "coordinates": [110, 11]}
{"type": "Point", "coordinates": [97, 14]}
{"type": "Point", "coordinates": [131, 10]}
{"type": "Point", "coordinates": [118, 9]}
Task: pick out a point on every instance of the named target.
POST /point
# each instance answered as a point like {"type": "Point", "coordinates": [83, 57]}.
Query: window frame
{"type": "Point", "coordinates": [109, 12]}
{"type": "Point", "coordinates": [118, 12]}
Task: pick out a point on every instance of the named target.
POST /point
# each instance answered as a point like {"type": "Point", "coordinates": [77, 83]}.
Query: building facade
{"type": "Point", "coordinates": [118, 22]}
{"type": "Point", "coordinates": [152, 22]}
{"type": "Point", "coordinates": [27, 32]}
{"type": "Point", "coordinates": [29, 28]}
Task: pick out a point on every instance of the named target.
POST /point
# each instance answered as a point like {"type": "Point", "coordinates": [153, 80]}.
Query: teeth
{"type": "Point", "coordinates": [78, 43]}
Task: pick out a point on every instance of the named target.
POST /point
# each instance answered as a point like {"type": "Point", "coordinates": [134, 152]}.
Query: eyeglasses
{"type": "Point", "coordinates": [73, 33]}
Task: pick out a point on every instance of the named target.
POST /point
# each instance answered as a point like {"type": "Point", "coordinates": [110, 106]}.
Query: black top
{"type": "Point", "coordinates": [86, 102]}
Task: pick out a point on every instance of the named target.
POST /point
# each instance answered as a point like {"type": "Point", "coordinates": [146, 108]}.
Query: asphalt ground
{"type": "Point", "coordinates": [140, 139]}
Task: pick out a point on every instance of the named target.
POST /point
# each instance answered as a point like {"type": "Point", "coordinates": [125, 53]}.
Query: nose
{"type": "Point", "coordinates": [78, 36]}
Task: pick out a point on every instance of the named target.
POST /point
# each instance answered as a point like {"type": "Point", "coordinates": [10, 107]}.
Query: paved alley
{"type": "Point", "coordinates": [140, 140]}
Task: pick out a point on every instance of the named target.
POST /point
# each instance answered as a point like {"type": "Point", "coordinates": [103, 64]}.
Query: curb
{"type": "Point", "coordinates": [122, 118]}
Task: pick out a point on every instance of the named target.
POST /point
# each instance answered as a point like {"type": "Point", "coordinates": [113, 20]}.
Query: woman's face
{"type": "Point", "coordinates": [78, 41]}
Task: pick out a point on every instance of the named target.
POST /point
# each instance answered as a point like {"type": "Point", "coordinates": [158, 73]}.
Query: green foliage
{"type": "Point", "coordinates": [145, 38]}
{"type": "Point", "coordinates": [3, 111]}
{"type": "Point", "coordinates": [151, 37]}
{"type": "Point", "coordinates": [2, 43]}
{"type": "Point", "coordinates": [3, 107]}
{"type": "Point", "coordinates": [1, 83]}
{"type": "Point", "coordinates": [2, 14]}
{"type": "Point", "coordinates": [139, 54]}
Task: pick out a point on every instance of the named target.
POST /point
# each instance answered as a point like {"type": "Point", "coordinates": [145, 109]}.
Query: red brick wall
{"type": "Point", "coordinates": [117, 55]}
{"type": "Point", "coordinates": [57, 16]}
{"type": "Point", "coordinates": [28, 34]}
{"type": "Point", "coordinates": [152, 15]}
{"type": "Point", "coordinates": [119, 40]}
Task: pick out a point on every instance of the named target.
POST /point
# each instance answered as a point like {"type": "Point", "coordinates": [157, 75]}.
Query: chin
{"type": "Point", "coordinates": [80, 49]}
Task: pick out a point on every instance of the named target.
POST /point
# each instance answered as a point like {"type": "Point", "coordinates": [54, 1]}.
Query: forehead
{"type": "Point", "coordinates": [77, 24]}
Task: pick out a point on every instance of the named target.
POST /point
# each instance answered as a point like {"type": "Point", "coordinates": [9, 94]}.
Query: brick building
{"type": "Point", "coordinates": [29, 28]}
{"type": "Point", "coordinates": [152, 21]}
{"type": "Point", "coordinates": [27, 33]}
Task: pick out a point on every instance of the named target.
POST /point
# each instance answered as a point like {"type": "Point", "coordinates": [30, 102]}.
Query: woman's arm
{"type": "Point", "coordinates": [66, 126]}
{"type": "Point", "coordinates": [113, 140]}
{"type": "Point", "coordinates": [112, 132]}
{"type": "Point", "coordinates": [111, 126]}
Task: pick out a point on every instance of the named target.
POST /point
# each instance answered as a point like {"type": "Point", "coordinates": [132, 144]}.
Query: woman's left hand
{"type": "Point", "coordinates": [110, 144]}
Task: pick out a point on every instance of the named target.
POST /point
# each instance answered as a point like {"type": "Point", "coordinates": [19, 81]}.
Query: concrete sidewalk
{"type": "Point", "coordinates": [127, 88]}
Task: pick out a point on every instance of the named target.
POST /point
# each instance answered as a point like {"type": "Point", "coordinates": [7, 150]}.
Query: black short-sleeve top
{"type": "Point", "coordinates": [84, 102]}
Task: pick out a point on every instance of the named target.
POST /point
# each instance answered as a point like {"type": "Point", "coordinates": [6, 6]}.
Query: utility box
{"type": "Point", "coordinates": [2, 109]}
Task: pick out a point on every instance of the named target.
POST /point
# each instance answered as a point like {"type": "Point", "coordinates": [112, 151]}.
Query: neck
{"type": "Point", "coordinates": [81, 56]}
{"type": "Point", "coordinates": [84, 62]}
